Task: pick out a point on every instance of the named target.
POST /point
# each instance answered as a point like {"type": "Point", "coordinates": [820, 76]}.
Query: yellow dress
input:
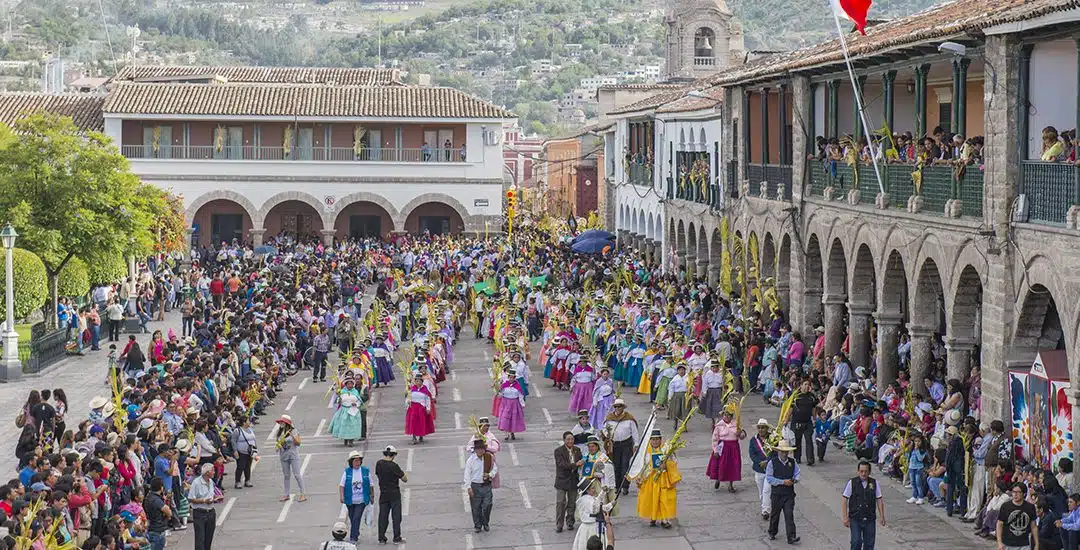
{"type": "Point", "coordinates": [657, 493]}
{"type": "Point", "coordinates": [645, 385]}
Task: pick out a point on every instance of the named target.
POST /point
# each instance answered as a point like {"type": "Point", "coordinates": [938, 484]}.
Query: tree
{"type": "Point", "coordinates": [30, 289]}
{"type": "Point", "coordinates": [71, 193]}
{"type": "Point", "coordinates": [74, 280]}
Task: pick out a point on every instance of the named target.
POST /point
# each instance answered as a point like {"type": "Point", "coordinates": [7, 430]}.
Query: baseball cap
{"type": "Point", "coordinates": [389, 450]}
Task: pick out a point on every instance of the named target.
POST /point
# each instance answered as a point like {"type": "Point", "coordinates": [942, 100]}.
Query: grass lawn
{"type": "Point", "coordinates": [24, 332]}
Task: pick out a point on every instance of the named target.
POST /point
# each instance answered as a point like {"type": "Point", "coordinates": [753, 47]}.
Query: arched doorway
{"type": "Point", "coordinates": [814, 284]}
{"type": "Point", "coordinates": [964, 329]}
{"type": "Point", "coordinates": [691, 251]}
{"type": "Point", "coordinates": [434, 218]}
{"type": "Point", "coordinates": [293, 218]}
{"type": "Point", "coordinates": [835, 299]}
{"type": "Point", "coordinates": [363, 219]}
{"type": "Point", "coordinates": [861, 305]}
{"type": "Point", "coordinates": [891, 317]}
{"type": "Point", "coordinates": [716, 252]}
{"type": "Point", "coordinates": [783, 274]}
{"type": "Point", "coordinates": [927, 312]}
{"type": "Point", "coordinates": [221, 220]}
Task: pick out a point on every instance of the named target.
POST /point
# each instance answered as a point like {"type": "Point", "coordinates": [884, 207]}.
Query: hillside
{"type": "Point", "coordinates": [528, 55]}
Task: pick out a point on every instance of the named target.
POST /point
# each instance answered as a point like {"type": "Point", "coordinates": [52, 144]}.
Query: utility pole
{"type": "Point", "coordinates": [380, 41]}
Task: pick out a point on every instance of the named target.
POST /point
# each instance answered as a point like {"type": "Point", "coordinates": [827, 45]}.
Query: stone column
{"type": "Point", "coordinates": [834, 323]}
{"type": "Point", "coordinates": [958, 359]}
{"type": "Point", "coordinates": [657, 252]}
{"type": "Point", "coordinates": [714, 275]}
{"type": "Point", "coordinates": [859, 328]}
{"type": "Point", "coordinates": [802, 134]}
{"type": "Point", "coordinates": [328, 236]}
{"type": "Point", "coordinates": [783, 293]}
{"type": "Point", "coordinates": [888, 338]}
{"type": "Point", "coordinates": [188, 245]}
{"type": "Point", "coordinates": [921, 355]}
{"type": "Point", "coordinates": [702, 268]}
{"type": "Point", "coordinates": [256, 236]}
{"type": "Point", "coordinates": [680, 263]}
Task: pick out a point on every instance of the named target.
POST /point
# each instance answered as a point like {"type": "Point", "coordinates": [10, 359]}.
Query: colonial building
{"type": "Point", "coordinates": [973, 261]}
{"type": "Point", "coordinates": [571, 171]}
{"type": "Point", "coordinates": [260, 151]}
{"type": "Point", "coordinates": [520, 152]}
{"type": "Point", "coordinates": [701, 38]}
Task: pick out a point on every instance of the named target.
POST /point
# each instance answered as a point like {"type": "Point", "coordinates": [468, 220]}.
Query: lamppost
{"type": "Point", "coordinates": [10, 367]}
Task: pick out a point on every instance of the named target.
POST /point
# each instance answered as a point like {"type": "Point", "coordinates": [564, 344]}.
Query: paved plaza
{"type": "Point", "coordinates": [435, 507]}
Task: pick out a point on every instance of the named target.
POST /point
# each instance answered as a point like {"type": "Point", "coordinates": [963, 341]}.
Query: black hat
{"type": "Point", "coordinates": [654, 433]}
{"type": "Point", "coordinates": [593, 439]}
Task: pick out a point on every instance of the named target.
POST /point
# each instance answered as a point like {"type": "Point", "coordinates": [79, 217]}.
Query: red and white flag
{"type": "Point", "coordinates": [854, 11]}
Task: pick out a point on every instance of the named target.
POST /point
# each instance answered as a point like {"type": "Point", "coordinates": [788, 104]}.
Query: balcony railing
{"type": "Point", "coordinates": [940, 184]}
{"type": "Point", "coordinates": [775, 176]}
{"type": "Point", "coordinates": [1051, 189]}
{"type": "Point", "coordinates": [641, 174]}
{"type": "Point", "coordinates": [704, 61]}
{"type": "Point", "coordinates": [732, 178]}
{"type": "Point", "coordinates": [318, 154]}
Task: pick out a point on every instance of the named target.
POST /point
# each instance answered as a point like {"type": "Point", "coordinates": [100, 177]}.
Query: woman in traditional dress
{"type": "Point", "coordinates": [418, 418]}
{"type": "Point", "coordinates": [521, 367]}
{"type": "Point", "coordinates": [657, 483]}
{"type": "Point", "coordinates": [712, 384]}
{"type": "Point", "coordinates": [602, 398]}
{"type": "Point", "coordinates": [589, 509]}
{"type": "Point", "coordinates": [348, 423]}
{"type": "Point", "coordinates": [667, 372]}
{"type": "Point", "coordinates": [635, 364]}
{"type": "Point", "coordinates": [581, 385]}
{"type": "Point", "coordinates": [726, 461]}
{"type": "Point", "coordinates": [384, 371]}
{"type": "Point", "coordinates": [511, 407]}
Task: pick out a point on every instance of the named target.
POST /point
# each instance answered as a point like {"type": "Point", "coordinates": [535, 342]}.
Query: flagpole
{"type": "Point", "coordinates": [858, 101]}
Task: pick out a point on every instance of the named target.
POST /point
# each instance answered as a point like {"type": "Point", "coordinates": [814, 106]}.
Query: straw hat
{"type": "Point", "coordinates": [183, 445]}
{"type": "Point", "coordinates": [98, 402]}
{"type": "Point", "coordinates": [784, 447]}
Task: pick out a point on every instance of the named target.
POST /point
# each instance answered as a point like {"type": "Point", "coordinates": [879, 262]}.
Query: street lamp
{"type": "Point", "coordinates": [10, 368]}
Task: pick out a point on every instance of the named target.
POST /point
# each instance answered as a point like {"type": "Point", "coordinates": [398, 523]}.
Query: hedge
{"type": "Point", "coordinates": [107, 269]}
{"type": "Point", "coordinates": [31, 288]}
{"type": "Point", "coordinates": [74, 280]}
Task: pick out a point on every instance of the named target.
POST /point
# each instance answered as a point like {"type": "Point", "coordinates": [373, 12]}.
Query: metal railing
{"type": "Point", "coordinates": [732, 179]}
{"type": "Point", "coordinates": [315, 154]}
{"type": "Point", "coordinates": [1051, 189]}
{"type": "Point", "coordinates": [641, 174]}
{"type": "Point", "coordinates": [46, 347]}
{"type": "Point", "coordinates": [940, 184]}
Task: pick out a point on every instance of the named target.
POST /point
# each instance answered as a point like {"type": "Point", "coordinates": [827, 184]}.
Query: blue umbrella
{"type": "Point", "coordinates": [592, 246]}
{"type": "Point", "coordinates": [594, 234]}
{"type": "Point", "coordinates": [265, 250]}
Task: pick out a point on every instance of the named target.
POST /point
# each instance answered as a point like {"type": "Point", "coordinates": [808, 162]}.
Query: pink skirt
{"type": "Point", "coordinates": [511, 416]}
{"type": "Point", "coordinates": [418, 422]}
{"type": "Point", "coordinates": [495, 405]}
{"type": "Point", "coordinates": [727, 465]}
{"type": "Point", "coordinates": [581, 397]}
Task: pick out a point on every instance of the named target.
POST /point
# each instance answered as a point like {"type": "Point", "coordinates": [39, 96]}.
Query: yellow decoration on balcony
{"type": "Point", "coordinates": [286, 142]}
{"type": "Point", "coordinates": [157, 139]}
{"type": "Point", "coordinates": [358, 143]}
{"type": "Point", "coordinates": [219, 138]}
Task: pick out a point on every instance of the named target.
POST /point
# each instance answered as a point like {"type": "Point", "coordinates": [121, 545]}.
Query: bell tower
{"type": "Point", "coordinates": [702, 38]}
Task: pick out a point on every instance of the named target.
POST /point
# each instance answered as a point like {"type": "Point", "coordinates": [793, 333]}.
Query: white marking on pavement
{"type": "Point", "coordinates": [468, 542]}
{"type": "Point", "coordinates": [225, 511]}
{"type": "Point", "coordinates": [453, 375]}
{"type": "Point", "coordinates": [465, 499]}
{"type": "Point", "coordinates": [457, 421]}
{"type": "Point", "coordinates": [307, 460]}
{"type": "Point", "coordinates": [330, 404]}
{"type": "Point", "coordinates": [547, 416]}
{"type": "Point", "coordinates": [303, 383]}
{"type": "Point", "coordinates": [487, 357]}
{"type": "Point", "coordinates": [457, 394]}
{"type": "Point", "coordinates": [513, 455]}
{"type": "Point", "coordinates": [461, 457]}
{"type": "Point", "coordinates": [524, 494]}
{"type": "Point", "coordinates": [405, 502]}
{"type": "Point", "coordinates": [291, 403]}
{"type": "Point", "coordinates": [322, 423]}
{"type": "Point", "coordinates": [285, 510]}
{"type": "Point", "coordinates": [536, 540]}
{"type": "Point", "coordinates": [273, 432]}
{"type": "Point", "coordinates": [269, 547]}
{"type": "Point", "coordinates": [344, 512]}
{"type": "Point", "coordinates": [408, 461]}
{"type": "Point", "coordinates": [536, 390]}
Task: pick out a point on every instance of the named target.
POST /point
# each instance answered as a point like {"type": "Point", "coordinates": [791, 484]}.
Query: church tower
{"type": "Point", "coordinates": [702, 38]}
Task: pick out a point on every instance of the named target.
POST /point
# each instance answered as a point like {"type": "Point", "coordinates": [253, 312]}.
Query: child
{"type": "Point", "coordinates": [917, 468]}
{"type": "Point", "coordinates": [822, 428]}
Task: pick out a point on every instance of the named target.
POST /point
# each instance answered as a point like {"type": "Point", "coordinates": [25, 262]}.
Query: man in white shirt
{"type": "Point", "coordinates": [478, 484]}
{"type": "Point", "coordinates": [622, 429]}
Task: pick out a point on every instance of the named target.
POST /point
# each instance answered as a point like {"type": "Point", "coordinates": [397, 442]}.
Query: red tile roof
{"type": "Point", "coordinates": [84, 109]}
{"type": "Point", "coordinates": [271, 75]}
{"type": "Point", "coordinates": [294, 100]}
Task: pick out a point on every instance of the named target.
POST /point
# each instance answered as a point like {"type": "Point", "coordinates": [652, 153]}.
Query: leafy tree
{"type": "Point", "coordinates": [30, 288]}
{"type": "Point", "coordinates": [74, 280]}
{"type": "Point", "coordinates": [70, 193]}
{"type": "Point", "coordinates": [106, 269]}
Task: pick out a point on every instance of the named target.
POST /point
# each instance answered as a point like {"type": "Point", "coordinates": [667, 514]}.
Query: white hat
{"type": "Point", "coordinates": [339, 528]}
{"type": "Point", "coordinates": [98, 402]}
{"type": "Point", "coordinates": [762, 422]}
{"type": "Point", "coordinates": [860, 372]}
{"type": "Point", "coordinates": [619, 402]}
{"type": "Point", "coordinates": [953, 417]}
{"type": "Point", "coordinates": [355, 454]}
{"type": "Point", "coordinates": [389, 450]}
{"type": "Point", "coordinates": [183, 445]}
{"type": "Point", "coordinates": [853, 386]}
{"type": "Point", "coordinates": [819, 328]}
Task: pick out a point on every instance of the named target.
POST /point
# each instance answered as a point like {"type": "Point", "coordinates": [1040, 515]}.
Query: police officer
{"type": "Point", "coordinates": [860, 506]}
{"type": "Point", "coordinates": [339, 531]}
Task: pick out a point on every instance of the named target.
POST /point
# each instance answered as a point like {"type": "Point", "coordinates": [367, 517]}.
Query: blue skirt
{"type": "Point", "coordinates": [548, 366]}
{"type": "Point", "coordinates": [634, 369]}
{"type": "Point", "coordinates": [524, 386]}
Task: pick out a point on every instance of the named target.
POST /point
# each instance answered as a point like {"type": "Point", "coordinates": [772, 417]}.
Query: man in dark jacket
{"type": "Point", "coordinates": [567, 461]}
{"type": "Point", "coordinates": [802, 422]}
{"type": "Point", "coordinates": [955, 469]}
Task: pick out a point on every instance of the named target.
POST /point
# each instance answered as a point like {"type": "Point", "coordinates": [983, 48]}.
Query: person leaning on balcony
{"type": "Point", "coordinates": [1052, 147]}
{"type": "Point", "coordinates": [425, 151]}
